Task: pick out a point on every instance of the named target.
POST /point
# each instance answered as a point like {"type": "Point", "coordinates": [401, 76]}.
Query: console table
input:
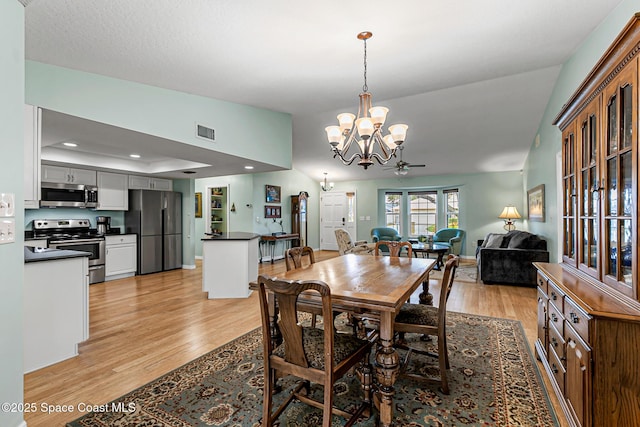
{"type": "Point", "coordinates": [272, 239]}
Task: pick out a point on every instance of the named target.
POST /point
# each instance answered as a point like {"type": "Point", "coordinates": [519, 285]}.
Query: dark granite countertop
{"type": "Point", "coordinates": [235, 235]}
{"type": "Point", "coordinates": [47, 254]}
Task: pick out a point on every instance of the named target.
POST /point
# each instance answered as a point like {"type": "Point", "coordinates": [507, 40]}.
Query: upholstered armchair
{"type": "Point", "coordinates": [452, 237]}
{"type": "Point", "coordinates": [347, 246]}
{"type": "Point", "coordinates": [385, 233]}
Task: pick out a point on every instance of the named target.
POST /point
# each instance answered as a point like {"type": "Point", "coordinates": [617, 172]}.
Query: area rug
{"type": "Point", "coordinates": [494, 381]}
{"type": "Point", "coordinates": [466, 272]}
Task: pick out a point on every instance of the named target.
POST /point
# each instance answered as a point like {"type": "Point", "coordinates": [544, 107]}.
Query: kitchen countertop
{"type": "Point", "coordinates": [47, 254]}
{"type": "Point", "coordinates": [235, 235]}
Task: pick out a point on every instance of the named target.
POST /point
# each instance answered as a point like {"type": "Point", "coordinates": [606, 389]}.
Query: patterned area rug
{"type": "Point", "coordinates": [466, 272]}
{"type": "Point", "coordinates": [494, 381]}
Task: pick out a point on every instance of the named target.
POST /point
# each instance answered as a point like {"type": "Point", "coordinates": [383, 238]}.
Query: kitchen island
{"type": "Point", "coordinates": [229, 263]}
{"type": "Point", "coordinates": [56, 305]}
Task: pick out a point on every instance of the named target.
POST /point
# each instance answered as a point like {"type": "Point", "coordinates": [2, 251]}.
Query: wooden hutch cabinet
{"type": "Point", "coordinates": [588, 308]}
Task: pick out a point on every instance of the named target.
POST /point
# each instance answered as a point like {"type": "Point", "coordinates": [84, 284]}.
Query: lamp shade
{"type": "Point", "coordinates": [509, 212]}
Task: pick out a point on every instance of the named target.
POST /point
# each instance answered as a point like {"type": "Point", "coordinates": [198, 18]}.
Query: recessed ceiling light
{"type": "Point", "coordinates": [248, 167]}
{"type": "Point", "coordinates": [135, 156]}
{"type": "Point", "coordinates": [70, 144]}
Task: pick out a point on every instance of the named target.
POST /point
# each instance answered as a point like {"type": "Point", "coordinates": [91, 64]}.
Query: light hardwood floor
{"type": "Point", "coordinates": [143, 327]}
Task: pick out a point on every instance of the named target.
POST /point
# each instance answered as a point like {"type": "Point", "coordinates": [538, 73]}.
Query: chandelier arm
{"type": "Point", "coordinates": [349, 161]}
{"type": "Point", "coordinates": [379, 158]}
{"type": "Point", "coordinates": [383, 147]}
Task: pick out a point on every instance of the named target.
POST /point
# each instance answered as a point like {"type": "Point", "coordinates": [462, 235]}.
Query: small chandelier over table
{"type": "Point", "coordinates": [367, 134]}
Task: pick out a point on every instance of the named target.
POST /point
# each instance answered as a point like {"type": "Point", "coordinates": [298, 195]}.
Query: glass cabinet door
{"type": "Point", "coordinates": [569, 196]}
{"type": "Point", "coordinates": [620, 104]}
{"type": "Point", "coordinates": [589, 188]}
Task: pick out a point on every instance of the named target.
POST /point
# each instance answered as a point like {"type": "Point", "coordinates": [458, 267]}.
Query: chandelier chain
{"type": "Point", "coordinates": [365, 88]}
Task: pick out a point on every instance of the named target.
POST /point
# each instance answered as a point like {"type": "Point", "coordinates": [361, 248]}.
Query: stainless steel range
{"type": "Point", "coordinates": [77, 235]}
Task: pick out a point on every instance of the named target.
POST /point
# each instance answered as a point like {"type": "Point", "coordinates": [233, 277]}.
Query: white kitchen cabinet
{"type": "Point", "coordinates": [32, 143]}
{"type": "Point", "coordinates": [113, 191]}
{"type": "Point", "coordinates": [121, 259]}
{"type": "Point", "coordinates": [68, 175]}
{"type": "Point", "coordinates": [56, 310]}
{"type": "Point", "coordinates": [137, 182]}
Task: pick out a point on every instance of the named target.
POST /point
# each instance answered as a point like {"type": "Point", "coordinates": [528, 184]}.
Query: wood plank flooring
{"type": "Point", "coordinates": [145, 326]}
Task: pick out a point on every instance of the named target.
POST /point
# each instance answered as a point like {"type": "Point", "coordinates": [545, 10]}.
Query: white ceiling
{"type": "Point", "coordinates": [470, 78]}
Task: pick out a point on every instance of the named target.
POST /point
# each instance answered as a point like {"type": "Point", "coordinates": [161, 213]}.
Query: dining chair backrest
{"type": "Point", "coordinates": [394, 248]}
{"type": "Point", "coordinates": [315, 355]}
{"type": "Point", "coordinates": [293, 257]}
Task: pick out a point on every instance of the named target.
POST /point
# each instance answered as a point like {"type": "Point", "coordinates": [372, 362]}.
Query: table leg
{"type": "Point", "coordinates": [440, 262]}
{"type": "Point", "coordinates": [273, 250]}
{"type": "Point", "coordinates": [425, 296]}
{"type": "Point", "coordinates": [387, 366]}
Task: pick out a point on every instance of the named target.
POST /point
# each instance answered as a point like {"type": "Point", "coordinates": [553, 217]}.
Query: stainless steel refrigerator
{"type": "Point", "coordinates": [156, 217]}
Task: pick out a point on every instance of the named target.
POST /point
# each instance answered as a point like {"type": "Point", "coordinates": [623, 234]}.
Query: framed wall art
{"type": "Point", "coordinates": [271, 211]}
{"type": "Point", "coordinates": [198, 209]}
{"type": "Point", "coordinates": [535, 203]}
{"type": "Point", "coordinates": [272, 193]}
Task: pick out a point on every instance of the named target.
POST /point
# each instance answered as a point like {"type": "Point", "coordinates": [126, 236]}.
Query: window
{"type": "Point", "coordinates": [452, 198]}
{"type": "Point", "coordinates": [392, 210]}
{"type": "Point", "coordinates": [351, 207]}
{"type": "Point", "coordinates": [419, 211]}
{"type": "Point", "coordinates": [423, 210]}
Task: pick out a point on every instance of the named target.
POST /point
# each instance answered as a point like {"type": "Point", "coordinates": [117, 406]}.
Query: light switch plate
{"type": "Point", "coordinates": [7, 230]}
{"type": "Point", "coordinates": [7, 205]}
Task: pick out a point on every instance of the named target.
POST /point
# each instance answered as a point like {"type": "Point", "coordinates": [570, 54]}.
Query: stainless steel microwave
{"type": "Point", "coordinates": [68, 195]}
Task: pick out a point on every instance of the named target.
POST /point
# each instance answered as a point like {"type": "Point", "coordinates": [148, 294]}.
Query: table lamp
{"type": "Point", "coordinates": [509, 213]}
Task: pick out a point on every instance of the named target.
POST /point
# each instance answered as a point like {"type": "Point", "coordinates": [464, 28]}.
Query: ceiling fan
{"type": "Point", "coordinates": [401, 167]}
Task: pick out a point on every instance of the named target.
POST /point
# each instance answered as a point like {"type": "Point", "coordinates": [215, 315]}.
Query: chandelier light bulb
{"type": "Point", "coordinates": [399, 133]}
{"type": "Point", "coordinates": [365, 127]}
{"type": "Point", "coordinates": [388, 141]}
{"type": "Point", "coordinates": [333, 134]}
{"type": "Point", "coordinates": [378, 115]}
{"type": "Point", "coordinates": [346, 121]}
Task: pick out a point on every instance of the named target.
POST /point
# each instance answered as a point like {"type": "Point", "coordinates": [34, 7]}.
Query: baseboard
{"type": "Point", "coordinates": [189, 266]}
{"type": "Point", "coordinates": [199, 257]}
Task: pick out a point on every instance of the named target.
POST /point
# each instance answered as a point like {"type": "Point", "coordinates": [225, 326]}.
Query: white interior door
{"type": "Point", "coordinates": [337, 210]}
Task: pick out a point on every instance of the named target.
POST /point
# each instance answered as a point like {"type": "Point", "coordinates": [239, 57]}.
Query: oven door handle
{"type": "Point", "coordinates": [75, 241]}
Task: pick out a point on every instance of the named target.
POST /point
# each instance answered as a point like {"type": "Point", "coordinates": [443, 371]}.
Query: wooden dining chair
{"type": "Point", "coordinates": [294, 258]}
{"type": "Point", "coordinates": [312, 354]}
{"type": "Point", "coordinates": [394, 247]}
{"type": "Point", "coordinates": [429, 320]}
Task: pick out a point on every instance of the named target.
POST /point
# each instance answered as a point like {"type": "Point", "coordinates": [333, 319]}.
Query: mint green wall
{"type": "Point", "coordinates": [11, 255]}
{"type": "Point", "coordinates": [482, 198]}
{"type": "Point", "coordinates": [161, 112]}
{"type": "Point", "coordinates": [250, 190]}
{"type": "Point", "coordinates": [540, 167]}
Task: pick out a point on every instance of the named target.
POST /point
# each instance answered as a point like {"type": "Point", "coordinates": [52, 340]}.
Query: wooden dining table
{"type": "Point", "coordinates": [374, 285]}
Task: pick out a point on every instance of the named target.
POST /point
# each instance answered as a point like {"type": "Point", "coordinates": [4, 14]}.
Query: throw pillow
{"type": "Point", "coordinates": [493, 240]}
{"type": "Point", "coordinates": [521, 240]}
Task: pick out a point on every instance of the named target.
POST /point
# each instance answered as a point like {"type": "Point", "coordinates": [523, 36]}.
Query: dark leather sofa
{"type": "Point", "coordinates": [507, 258]}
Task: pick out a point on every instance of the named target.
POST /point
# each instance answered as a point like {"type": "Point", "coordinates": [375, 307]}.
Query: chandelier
{"type": "Point", "coordinates": [367, 133]}
{"type": "Point", "coordinates": [326, 186]}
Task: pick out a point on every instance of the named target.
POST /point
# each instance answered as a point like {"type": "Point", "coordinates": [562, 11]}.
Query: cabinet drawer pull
{"type": "Point", "coordinates": [574, 317]}
{"type": "Point", "coordinates": [554, 368]}
{"type": "Point", "coordinates": [554, 318]}
{"type": "Point", "coordinates": [554, 342]}
{"type": "Point", "coordinates": [554, 296]}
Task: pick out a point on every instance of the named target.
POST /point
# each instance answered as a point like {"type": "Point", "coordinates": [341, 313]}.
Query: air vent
{"type": "Point", "coordinates": [205, 132]}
